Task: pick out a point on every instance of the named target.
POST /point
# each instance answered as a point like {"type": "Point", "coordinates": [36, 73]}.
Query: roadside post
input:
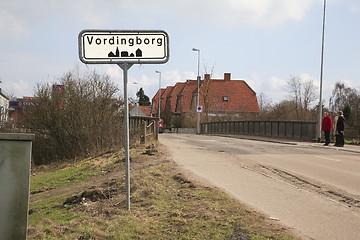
{"type": "Point", "coordinates": [124, 48]}
{"type": "Point", "coordinates": [15, 161]}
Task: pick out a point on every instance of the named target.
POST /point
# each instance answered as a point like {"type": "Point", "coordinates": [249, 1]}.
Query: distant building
{"type": "Point", "coordinates": [16, 107]}
{"type": "Point", "coordinates": [4, 105]}
{"type": "Point", "coordinates": [221, 99]}
{"type": "Point", "coordinates": [141, 111]}
{"type": "Point", "coordinates": [155, 103]}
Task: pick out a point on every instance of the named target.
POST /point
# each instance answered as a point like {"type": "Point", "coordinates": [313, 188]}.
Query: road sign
{"type": "Point", "coordinates": [199, 108]}
{"type": "Point", "coordinates": [116, 46]}
{"type": "Point", "coordinates": [124, 48]}
{"type": "Point", "coordinates": [161, 123]}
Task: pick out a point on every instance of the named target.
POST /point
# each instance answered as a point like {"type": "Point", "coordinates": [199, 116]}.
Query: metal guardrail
{"type": "Point", "coordinates": [282, 129]}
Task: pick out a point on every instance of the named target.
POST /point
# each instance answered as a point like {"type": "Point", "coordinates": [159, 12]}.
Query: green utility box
{"type": "Point", "coordinates": [15, 158]}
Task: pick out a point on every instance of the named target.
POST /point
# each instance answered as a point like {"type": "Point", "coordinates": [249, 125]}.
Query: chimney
{"type": "Point", "coordinates": [206, 76]}
{"type": "Point", "coordinates": [227, 77]}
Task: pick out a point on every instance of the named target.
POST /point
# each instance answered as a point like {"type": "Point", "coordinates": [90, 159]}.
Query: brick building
{"type": "Point", "coordinates": [16, 107]}
{"type": "Point", "coordinates": [221, 99]}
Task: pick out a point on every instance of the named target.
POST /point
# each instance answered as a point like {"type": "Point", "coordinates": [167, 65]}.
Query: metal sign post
{"type": "Point", "coordinates": [125, 67]}
{"type": "Point", "coordinates": [124, 48]}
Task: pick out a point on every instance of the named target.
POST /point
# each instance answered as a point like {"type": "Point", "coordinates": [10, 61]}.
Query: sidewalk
{"type": "Point", "coordinates": [347, 147]}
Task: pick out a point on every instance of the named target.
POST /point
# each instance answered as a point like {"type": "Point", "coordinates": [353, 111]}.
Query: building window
{"type": "Point", "coordinates": [178, 102]}
{"type": "Point", "coordinates": [225, 99]}
{"type": "Point", "coordinates": [193, 100]}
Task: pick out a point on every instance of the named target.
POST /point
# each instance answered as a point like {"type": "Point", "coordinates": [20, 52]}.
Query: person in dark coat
{"type": "Point", "coordinates": [327, 127]}
{"type": "Point", "coordinates": [340, 127]}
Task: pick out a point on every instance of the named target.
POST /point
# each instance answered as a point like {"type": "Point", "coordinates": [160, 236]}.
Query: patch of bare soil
{"type": "Point", "coordinates": [109, 178]}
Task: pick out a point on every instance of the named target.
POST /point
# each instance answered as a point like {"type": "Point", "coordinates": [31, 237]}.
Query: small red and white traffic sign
{"type": "Point", "coordinates": [161, 123]}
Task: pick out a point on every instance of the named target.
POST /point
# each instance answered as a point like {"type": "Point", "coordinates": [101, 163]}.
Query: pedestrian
{"type": "Point", "coordinates": [334, 128]}
{"type": "Point", "coordinates": [327, 127]}
{"type": "Point", "coordinates": [340, 127]}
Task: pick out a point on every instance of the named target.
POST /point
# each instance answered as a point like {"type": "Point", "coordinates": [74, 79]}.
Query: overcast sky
{"type": "Point", "coordinates": [263, 42]}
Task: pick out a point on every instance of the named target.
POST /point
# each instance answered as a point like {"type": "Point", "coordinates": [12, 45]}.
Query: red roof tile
{"type": "Point", "coordinates": [228, 96]}
{"type": "Point", "coordinates": [144, 109]}
{"type": "Point", "coordinates": [186, 96]}
{"type": "Point", "coordinates": [164, 97]}
{"type": "Point", "coordinates": [172, 98]}
{"type": "Point", "coordinates": [155, 104]}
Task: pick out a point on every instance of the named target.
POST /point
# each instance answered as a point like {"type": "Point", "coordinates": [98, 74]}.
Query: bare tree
{"type": "Point", "coordinates": [303, 94]}
{"type": "Point", "coordinates": [205, 87]}
{"type": "Point", "coordinates": [283, 111]}
{"type": "Point", "coordinates": [264, 103]}
{"type": "Point", "coordinates": [77, 116]}
{"type": "Point", "coordinates": [341, 95]}
{"type": "Point", "coordinates": [348, 100]}
{"type": "Point", "coordinates": [309, 94]}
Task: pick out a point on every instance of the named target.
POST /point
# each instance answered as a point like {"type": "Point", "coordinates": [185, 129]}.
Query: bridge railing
{"type": "Point", "coordinates": [282, 129]}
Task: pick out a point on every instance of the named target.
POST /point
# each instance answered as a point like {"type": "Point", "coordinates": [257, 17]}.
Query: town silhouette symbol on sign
{"type": "Point", "coordinates": [138, 53]}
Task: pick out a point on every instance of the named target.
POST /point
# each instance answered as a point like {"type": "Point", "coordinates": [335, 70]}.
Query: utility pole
{"type": "Point", "coordinates": [198, 93]}
{"type": "Point", "coordinates": [321, 75]}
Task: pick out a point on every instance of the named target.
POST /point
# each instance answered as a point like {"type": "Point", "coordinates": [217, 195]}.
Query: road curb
{"type": "Point", "coordinates": [290, 142]}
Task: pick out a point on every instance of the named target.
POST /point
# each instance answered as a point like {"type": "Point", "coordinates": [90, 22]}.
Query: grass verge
{"type": "Point", "coordinates": [164, 204]}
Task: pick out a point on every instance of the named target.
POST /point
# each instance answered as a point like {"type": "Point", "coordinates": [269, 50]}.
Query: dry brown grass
{"type": "Point", "coordinates": [165, 204]}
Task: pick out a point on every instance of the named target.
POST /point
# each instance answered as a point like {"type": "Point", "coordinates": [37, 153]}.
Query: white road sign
{"type": "Point", "coordinates": [114, 46]}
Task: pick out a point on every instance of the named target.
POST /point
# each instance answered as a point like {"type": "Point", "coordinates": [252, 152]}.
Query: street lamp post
{"type": "Point", "coordinates": [198, 93]}
{"type": "Point", "coordinates": [159, 92]}
{"type": "Point", "coordinates": [137, 89]}
{"type": "Point", "coordinates": [321, 74]}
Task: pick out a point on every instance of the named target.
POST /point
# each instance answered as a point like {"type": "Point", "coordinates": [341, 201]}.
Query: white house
{"type": "Point", "coordinates": [4, 106]}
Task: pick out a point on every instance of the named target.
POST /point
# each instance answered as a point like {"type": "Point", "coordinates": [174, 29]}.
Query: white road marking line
{"type": "Point", "coordinates": [331, 159]}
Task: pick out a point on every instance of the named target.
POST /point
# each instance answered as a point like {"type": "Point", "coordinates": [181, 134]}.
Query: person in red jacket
{"type": "Point", "coordinates": [327, 127]}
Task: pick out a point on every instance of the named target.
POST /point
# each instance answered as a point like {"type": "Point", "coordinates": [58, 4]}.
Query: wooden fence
{"type": "Point", "coordinates": [142, 128]}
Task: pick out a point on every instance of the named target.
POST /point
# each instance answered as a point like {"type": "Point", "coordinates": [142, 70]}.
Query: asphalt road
{"type": "Point", "coordinates": [312, 189]}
